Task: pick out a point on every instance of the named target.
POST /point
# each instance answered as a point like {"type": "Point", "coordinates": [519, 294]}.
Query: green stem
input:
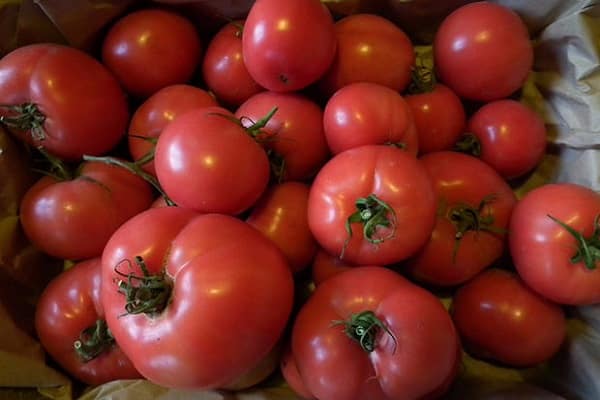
{"type": "Point", "coordinates": [25, 117]}
{"type": "Point", "coordinates": [588, 249]}
{"type": "Point", "coordinates": [363, 328]}
{"type": "Point", "coordinates": [469, 144]}
{"type": "Point", "coordinates": [93, 341]}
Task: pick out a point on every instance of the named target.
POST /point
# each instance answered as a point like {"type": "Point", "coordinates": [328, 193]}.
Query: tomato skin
{"type": "Point", "coordinates": [151, 117]}
{"type": "Point", "coordinates": [392, 175]}
{"type": "Point", "coordinates": [295, 132]}
{"type": "Point", "coordinates": [423, 361]}
{"type": "Point", "coordinates": [70, 304]}
{"type": "Point", "coordinates": [74, 219]}
{"type": "Point", "coordinates": [290, 373]}
{"type": "Point", "coordinates": [512, 137]}
{"type": "Point", "coordinates": [150, 49]}
{"type": "Point", "coordinates": [85, 108]}
{"type": "Point", "coordinates": [500, 318]}
{"type": "Point", "coordinates": [326, 265]}
{"type": "Point", "coordinates": [281, 215]}
{"type": "Point", "coordinates": [439, 118]}
{"type": "Point", "coordinates": [223, 67]}
{"type": "Point", "coordinates": [459, 180]}
{"type": "Point", "coordinates": [541, 249]}
{"type": "Point", "coordinates": [482, 51]}
{"type": "Point", "coordinates": [232, 295]}
{"type": "Point", "coordinates": [370, 48]}
{"type": "Point", "coordinates": [288, 45]}
{"type": "Point", "coordinates": [367, 113]}
{"type": "Point", "coordinates": [209, 163]}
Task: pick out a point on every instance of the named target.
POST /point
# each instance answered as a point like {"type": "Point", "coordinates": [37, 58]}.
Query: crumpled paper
{"type": "Point", "coordinates": [562, 88]}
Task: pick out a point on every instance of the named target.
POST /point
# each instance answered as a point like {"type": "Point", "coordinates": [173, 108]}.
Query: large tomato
{"type": "Point", "coordinates": [368, 333]}
{"type": "Point", "coordinates": [61, 99]}
{"type": "Point", "coordinates": [555, 242]}
{"type": "Point", "coordinates": [194, 300]}
{"type": "Point", "coordinates": [287, 45]}
{"type": "Point", "coordinates": [73, 219]}
{"type": "Point", "coordinates": [70, 324]}
{"type": "Point", "coordinates": [482, 51]}
{"type": "Point", "coordinates": [474, 207]}
{"type": "Point", "coordinates": [372, 205]}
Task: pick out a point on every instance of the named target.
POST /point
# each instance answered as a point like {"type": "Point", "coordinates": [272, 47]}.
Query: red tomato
{"type": "Point", "coordinates": [294, 133]}
{"type": "Point", "coordinates": [499, 318]}
{"type": "Point", "coordinates": [367, 113]}
{"type": "Point", "coordinates": [474, 207]}
{"type": "Point", "coordinates": [70, 324]}
{"type": "Point", "coordinates": [207, 162]}
{"type": "Point", "coordinates": [212, 303]}
{"type": "Point", "coordinates": [325, 265]}
{"type": "Point", "coordinates": [511, 137]}
{"type": "Point", "coordinates": [61, 99]}
{"type": "Point", "coordinates": [287, 45]}
{"type": "Point", "coordinates": [370, 334]}
{"type": "Point", "coordinates": [74, 219]}
{"type": "Point", "coordinates": [482, 51]}
{"type": "Point", "coordinates": [223, 67]}
{"type": "Point", "coordinates": [439, 118]}
{"type": "Point", "coordinates": [372, 205]}
{"type": "Point", "coordinates": [290, 373]}
{"type": "Point", "coordinates": [280, 214]}
{"type": "Point", "coordinates": [370, 48]}
{"type": "Point", "coordinates": [150, 49]}
{"type": "Point", "coordinates": [157, 111]}
{"type": "Point", "coordinates": [548, 229]}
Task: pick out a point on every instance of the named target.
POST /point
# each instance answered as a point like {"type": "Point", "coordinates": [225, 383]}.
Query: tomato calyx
{"type": "Point", "coordinates": [25, 117]}
{"type": "Point", "coordinates": [363, 328]}
{"type": "Point", "coordinates": [422, 80]}
{"type": "Point", "coordinates": [469, 144]}
{"type": "Point", "coordinates": [93, 341]}
{"type": "Point", "coordinates": [372, 212]}
{"type": "Point", "coordinates": [588, 249]}
{"type": "Point", "coordinates": [148, 294]}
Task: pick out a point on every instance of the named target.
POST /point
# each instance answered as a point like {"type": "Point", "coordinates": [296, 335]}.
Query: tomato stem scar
{"type": "Point", "coordinates": [93, 341]}
{"type": "Point", "coordinates": [363, 328]}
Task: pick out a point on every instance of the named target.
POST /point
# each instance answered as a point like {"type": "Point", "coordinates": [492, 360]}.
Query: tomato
{"type": "Point", "coordinates": [61, 99]}
{"type": "Point", "coordinates": [370, 48]}
{"type": "Point", "coordinates": [474, 208]}
{"type": "Point", "coordinates": [500, 318]}
{"type": "Point", "coordinates": [70, 324]}
{"type": "Point", "coordinates": [223, 67]}
{"type": "Point", "coordinates": [326, 265]}
{"type": "Point", "coordinates": [73, 219]}
{"type": "Point", "coordinates": [150, 49]}
{"type": "Point", "coordinates": [281, 215]}
{"type": "Point", "coordinates": [157, 111]}
{"type": "Point", "coordinates": [217, 293]}
{"type": "Point", "coordinates": [439, 118]}
{"type": "Point", "coordinates": [554, 240]}
{"type": "Point", "coordinates": [207, 162]}
{"type": "Point", "coordinates": [482, 51]}
{"type": "Point", "coordinates": [368, 333]}
{"type": "Point", "coordinates": [294, 133]}
{"type": "Point", "coordinates": [288, 45]}
{"type": "Point", "coordinates": [290, 373]}
{"type": "Point", "coordinates": [372, 205]}
{"type": "Point", "coordinates": [510, 137]}
{"type": "Point", "coordinates": [367, 113]}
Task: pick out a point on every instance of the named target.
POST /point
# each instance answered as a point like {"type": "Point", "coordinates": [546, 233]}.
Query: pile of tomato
{"type": "Point", "coordinates": [194, 183]}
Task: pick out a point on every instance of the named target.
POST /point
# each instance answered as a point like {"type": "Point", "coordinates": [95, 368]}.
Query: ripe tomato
{"type": "Point", "coordinates": [290, 373]}
{"type": "Point", "coordinates": [510, 136]}
{"type": "Point", "coordinates": [73, 219]}
{"type": "Point", "coordinates": [70, 324]}
{"type": "Point", "coordinates": [281, 215]}
{"type": "Point", "coordinates": [223, 67]}
{"type": "Point", "coordinates": [150, 49]}
{"type": "Point", "coordinates": [554, 241]}
{"type": "Point", "coordinates": [474, 207]}
{"type": "Point", "coordinates": [195, 300]}
{"type": "Point", "coordinates": [370, 48]}
{"type": "Point", "coordinates": [326, 265]}
{"type": "Point", "coordinates": [367, 113]}
{"type": "Point", "coordinates": [207, 162]}
{"type": "Point", "coordinates": [61, 99]}
{"type": "Point", "coordinates": [157, 111]}
{"type": "Point", "coordinates": [499, 318]}
{"type": "Point", "coordinates": [482, 51]}
{"type": "Point", "coordinates": [372, 205]}
{"type": "Point", "coordinates": [294, 133]}
{"type": "Point", "coordinates": [288, 45]}
{"type": "Point", "coordinates": [368, 333]}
